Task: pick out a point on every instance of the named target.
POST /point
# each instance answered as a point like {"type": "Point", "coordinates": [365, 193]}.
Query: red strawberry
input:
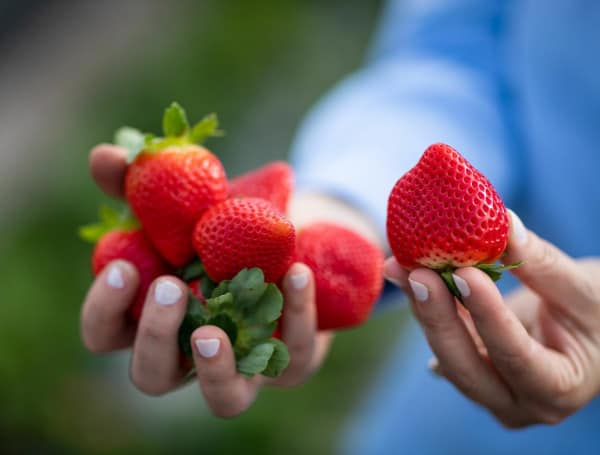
{"type": "Point", "coordinates": [172, 182]}
{"type": "Point", "coordinates": [244, 233]}
{"type": "Point", "coordinates": [132, 246]}
{"type": "Point", "coordinates": [443, 214]}
{"type": "Point", "coordinates": [272, 182]}
{"type": "Point", "coordinates": [348, 273]}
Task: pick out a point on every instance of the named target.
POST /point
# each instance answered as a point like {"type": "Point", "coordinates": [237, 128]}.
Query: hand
{"type": "Point", "coordinates": [533, 357]}
{"type": "Point", "coordinates": [157, 366]}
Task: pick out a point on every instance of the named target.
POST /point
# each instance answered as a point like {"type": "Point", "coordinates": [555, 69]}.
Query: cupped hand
{"type": "Point", "coordinates": [530, 357]}
{"type": "Point", "coordinates": [157, 365]}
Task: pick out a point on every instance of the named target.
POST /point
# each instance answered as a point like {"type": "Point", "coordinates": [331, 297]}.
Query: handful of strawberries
{"type": "Point", "coordinates": [230, 241]}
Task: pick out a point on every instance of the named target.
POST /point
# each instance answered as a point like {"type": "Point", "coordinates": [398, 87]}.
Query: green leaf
{"type": "Point", "coordinates": [247, 287]}
{"type": "Point", "coordinates": [257, 334]}
{"type": "Point", "coordinates": [186, 329]}
{"type": "Point", "coordinates": [110, 219]}
{"type": "Point", "coordinates": [222, 288]}
{"type": "Point", "coordinates": [279, 360]}
{"type": "Point", "coordinates": [205, 128]}
{"type": "Point", "coordinates": [449, 280]}
{"type": "Point", "coordinates": [221, 303]}
{"type": "Point", "coordinates": [131, 139]}
{"type": "Point", "coordinates": [257, 359]}
{"type": "Point", "coordinates": [192, 271]}
{"type": "Point", "coordinates": [269, 306]}
{"type": "Point", "coordinates": [195, 309]}
{"type": "Point", "coordinates": [207, 286]}
{"type": "Point", "coordinates": [175, 121]}
{"type": "Point", "coordinates": [224, 322]}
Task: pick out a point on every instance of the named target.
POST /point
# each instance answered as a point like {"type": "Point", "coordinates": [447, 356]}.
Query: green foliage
{"type": "Point", "coordinates": [175, 121]}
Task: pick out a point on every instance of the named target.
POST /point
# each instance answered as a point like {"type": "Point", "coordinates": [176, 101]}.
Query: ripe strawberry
{"type": "Point", "coordinates": [348, 273]}
{"type": "Point", "coordinates": [132, 246]}
{"type": "Point", "coordinates": [272, 182]}
{"type": "Point", "coordinates": [172, 181]}
{"type": "Point", "coordinates": [444, 214]}
{"type": "Point", "coordinates": [244, 233]}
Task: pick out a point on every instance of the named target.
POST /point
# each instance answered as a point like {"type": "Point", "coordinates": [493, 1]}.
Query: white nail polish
{"type": "Point", "coordinates": [208, 347]}
{"type": "Point", "coordinates": [166, 292]}
{"type": "Point", "coordinates": [518, 231]}
{"type": "Point", "coordinates": [299, 280]}
{"type": "Point", "coordinates": [420, 291]}
{"type": "Point", "coordinates": [395, 282]}
{"type": "Point", "coordinates": [462, 285]}
{"type": "Point", "coordinates": [114, 277]}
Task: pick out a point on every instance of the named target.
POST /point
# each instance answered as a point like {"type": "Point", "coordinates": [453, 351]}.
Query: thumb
{"type": "Point", "coordinates": [546, 270]}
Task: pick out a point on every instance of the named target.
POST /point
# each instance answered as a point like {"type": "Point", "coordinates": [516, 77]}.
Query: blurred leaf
{"type": "Point", "coordinates": [175, 121]}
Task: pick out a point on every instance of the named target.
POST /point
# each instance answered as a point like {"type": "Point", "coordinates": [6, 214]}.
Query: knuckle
{"type": "Point", "coordinates": [155, 332]}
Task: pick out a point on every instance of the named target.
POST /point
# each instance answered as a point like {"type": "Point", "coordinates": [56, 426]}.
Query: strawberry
{"type": "Point", "coordinates": [244, 233]}
{"type": "Point", "coordinates": [272, 182]}
{"type": "Point", "coordinates": [134, 247]}
{"type": "Point", "coordinates": [348, 273]}
{"type": "Point", "coordinates": [443, 214]}
{"type": "Point", "coordinates": [171, 181]}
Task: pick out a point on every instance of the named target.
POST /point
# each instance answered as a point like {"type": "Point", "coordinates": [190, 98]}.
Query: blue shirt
{"type": "Point", "coordinates": [515, 87]}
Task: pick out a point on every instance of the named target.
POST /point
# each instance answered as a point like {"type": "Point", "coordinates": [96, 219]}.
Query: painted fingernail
{"type": "Point", "coordinates": [462, 285]}
{"type": "Point", "coordinates": [420, 291]}
{"type": "Point", "coordinates": [208, 347]}
{"type": "Point", "coordinates": [395, 282]}
{"type": "Point", "coordinates": [114, 277]}
{"type": "Point", "coordinates": [166, 292]}
{"type": "Point", "coordinates": [299, 280]}
{"type": "Point", "coordinates": [518, 231]}
{"type": "Point", "coordinates": [434, 366]}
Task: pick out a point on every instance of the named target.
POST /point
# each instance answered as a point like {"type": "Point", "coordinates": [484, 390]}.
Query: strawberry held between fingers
{"type": "Point", "coordinates": [272, 182]}
{"type": "Point", "coordinates": [244, 233]}
{"type": "Point", "coordinates": [171, 181]}
{"type": "Point", "coordinates": [348, 273]}
{"type": "Point", "coordinates": [118, 236]}
{"type": "Point", "coordinates": [443, 214]}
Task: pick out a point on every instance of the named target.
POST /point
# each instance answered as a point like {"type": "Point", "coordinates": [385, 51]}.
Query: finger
{"type": "Point", "coordinates": [528, 367]}
{"type": "Point", "coordinates": [548, 271]}
{"type": "Point", "coordinates": [395, 273]}
{"type": "Point", "coordinates": [450, 341]}
{"type": "Point", "coordinates": [108, 164]}
{"type": "Point", "coordinates": [104, 322]}
{"type": "Point", "coordinates": [155, 362]}
{"type": "Point", "coordinates": [226, 392]}
{"type": "Point", "coordinates": [299, 323]}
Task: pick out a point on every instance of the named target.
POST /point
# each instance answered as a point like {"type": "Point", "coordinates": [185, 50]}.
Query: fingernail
{"type": "Point", "coordinates": [114, 277]}
{"type": "Point", "coordinates": [208, 347]}
{"type": "Point", "coordinates": [518, 231]}
{"type": "Point", "coordinates": [166, 292]}
{"type": "Point", "coordinates": [299, 280]}
{"type": "Point", "coordinates": [420, 291]}
{"type": "Point", "coordinates": [462, 285]}
{"type": "Point", "coordinates": [395, 282]}
{"type": "Point", "coordinates": [434, 366]}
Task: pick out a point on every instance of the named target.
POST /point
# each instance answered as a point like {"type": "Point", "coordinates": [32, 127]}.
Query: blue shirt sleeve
{"type": "Point", "coordinates": [431, 76]}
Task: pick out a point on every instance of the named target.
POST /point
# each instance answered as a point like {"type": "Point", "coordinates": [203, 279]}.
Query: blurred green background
{"type": "Point", "coordinates": [74, 71]}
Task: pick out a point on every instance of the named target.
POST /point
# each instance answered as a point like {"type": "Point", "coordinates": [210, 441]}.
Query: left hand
{"type": "Point", "coordinates": [531, 357]}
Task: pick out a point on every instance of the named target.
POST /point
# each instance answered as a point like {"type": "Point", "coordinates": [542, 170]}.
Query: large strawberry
{"type": "Point", "coordinates": [171, 181]}
{"type": "Point", "coordinates": [443, 214]}
{"type": "Point", "coordinates": [244, 233]}
{"type": "Point", "coordinates": [348, 273]}
{"type": "Point", "coordinates": [273, 182]}
{"type": "Point", "coordinates": [118, 238]}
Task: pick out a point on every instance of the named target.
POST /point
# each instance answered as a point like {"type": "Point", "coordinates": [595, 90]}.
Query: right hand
{"type": "Point", "coordinates": [157, 365]}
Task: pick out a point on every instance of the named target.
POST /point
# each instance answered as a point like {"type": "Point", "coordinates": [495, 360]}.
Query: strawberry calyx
{"type": "Point", "coordinates": [177, 133]}
{"type": "Point", "coordinates": [246, 309]}
{"type": "Point", "coordinates": [110, 219]}
{"type": "Point", "coordinates": [494, 271]}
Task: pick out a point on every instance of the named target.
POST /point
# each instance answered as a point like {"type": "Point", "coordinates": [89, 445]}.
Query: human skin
{"type": "Point", "coordinates": [156, 367]}
{"type": "Point", "coordinates": [530, 357]}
